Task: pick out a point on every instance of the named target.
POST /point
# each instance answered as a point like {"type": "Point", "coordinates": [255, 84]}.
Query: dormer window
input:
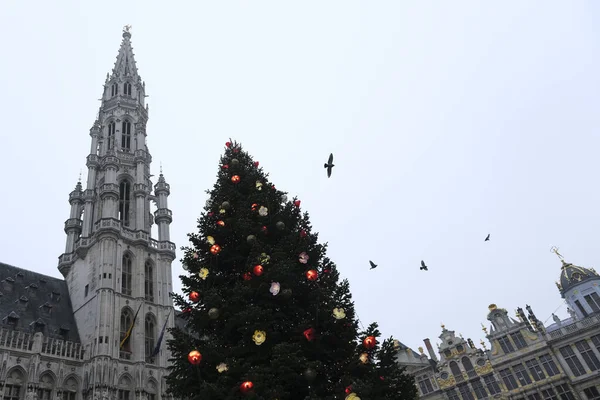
{"type": "Point", "coordinates": [64, 332]}
{"type": "Point", "coordinates": [38, 326]}
{"type": "Point", "coordinates": [55, 296]}
{"type": "Point", "coordinates": [577, 276]}
{"type": "Point", "coordinates": [12, 318]}
{"type": "Point", "coordinates": [46, 309]}
{"type": "Point", "coordinates": [114, 89]}
{"type": "Point", "coordinates": [127, 89]}
{"type": "Point", "coordinates": [33, 286]}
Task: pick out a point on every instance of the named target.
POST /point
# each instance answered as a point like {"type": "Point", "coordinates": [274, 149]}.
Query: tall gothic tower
{"type": "Point", "coordinates": [117, 275]}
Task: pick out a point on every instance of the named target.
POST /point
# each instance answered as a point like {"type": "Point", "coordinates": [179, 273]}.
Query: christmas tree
{"type": "Point", "coordinates": [267, 315]}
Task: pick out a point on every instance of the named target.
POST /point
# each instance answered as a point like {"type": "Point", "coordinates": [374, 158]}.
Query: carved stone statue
{"type": "Point", "coordinates": [572, 314]}
{"type": "Point", "coordinates": [30, 395]}
{"type": "Point", "coordinates": [556, 319]}
{"type": "Point", "coordinates": [528, 308]}
{"type": "Point", "coordinates": [105, 394]}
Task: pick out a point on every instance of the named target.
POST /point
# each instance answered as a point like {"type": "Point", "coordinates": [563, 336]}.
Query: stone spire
{"type": "Point", "coordinates": [125, 65]}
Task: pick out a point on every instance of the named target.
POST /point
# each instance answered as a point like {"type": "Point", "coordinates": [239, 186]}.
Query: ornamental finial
{"type": "Point", "coordinates": [127, 28]}
{"type": "Point", "coordinates": [554, 250]}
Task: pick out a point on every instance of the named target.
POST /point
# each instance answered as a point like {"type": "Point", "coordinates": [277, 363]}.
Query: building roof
{"type": "Point", "coordinates": [572, 275]}
{"type": "Point", "coordinates": [33, 302]}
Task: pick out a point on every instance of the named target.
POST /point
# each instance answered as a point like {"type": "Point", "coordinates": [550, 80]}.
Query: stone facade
{"type": "Point", "coordinates": [526, 361]}
{"type": "Point", "coordinates": [64, 339]}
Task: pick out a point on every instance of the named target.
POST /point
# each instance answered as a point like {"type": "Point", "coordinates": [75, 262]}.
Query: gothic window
{"type": "Point", "coordinates": [13, 385]}
{"type": "Point", "coordinates": [479, 390]}
{"type": "Point", "coordinates": [549, 394]}
{"type": "Point", "coordinates": [506, 345]}
{"type": "Point", "coordinates": [46, 385]}
{"type": "Point", "coordinates": [593, 301]}
{"type": "Point", "coordinates": [519, 340]}
{"type": "Point", "coordinates": [535, 370]}
{"type": "Point", "coordinates": [578, 304]}
{"type": "Point", "coordinates": [111, 135]}
{"type": "Point", "coordinates": [468, 366]}
{"type": "Point", "coordinates": [588, 355]}
{"type": "Point", "coordinates": [124, 391]}
{"type": "Point", "coordinates": [565, 392]}
{"type": "Point", "coordinates": [522, 375]}
{"type": "Point", "coordinates": [126, 275]}
{"type": "Point", "coordinates": [127, 89]}
{"type": "Point", "coordinates": [126, 321]}
{"type": "Point", "coordinates": [114, 89]}
{"type": "Point", "coordinates": [425, 384]}
{"type": "Point", "coordinates": [150, 329]}
{"type": "Point", "coordinates": [126, 135]}
{"type": "Point", "coordinates": [465, 391]}
{"type": "Point", "coordinates": [124, 202]}
{"type": "Point", "coordinates": [572, 360]}
{"type": "Point", "coordinates": [508, 379]}
{"type": "Point", "coordinates": [149, 281]}
{"type": "Point", "coordinates": [70, 388]}
{"type": "Point", "coordinates": [492, 384]}
{"type": "Point", "coordinates": [549, 365]}
{"type": "Point", "coordinates": [592, 393]}
{"type": "Point", "coordinates": [456, 371]}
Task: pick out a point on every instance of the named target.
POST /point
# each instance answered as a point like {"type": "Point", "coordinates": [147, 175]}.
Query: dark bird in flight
{"type": "Point", "coordinates": [487, 238]}
{"type": "Point", "coordinates": [329, 165]}
{"type": "Point", "coordinates": [423, 266]}
{"type": "Point", "coordinates": [373, 265]}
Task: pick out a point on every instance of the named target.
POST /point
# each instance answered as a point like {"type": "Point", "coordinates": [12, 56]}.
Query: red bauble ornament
{"type": "Point", "coordinates": [258, 270]}
{"type": "Point", "coordinates": [381, 377]}
{"type": "Point", "coordinates": [264, 229]}
{"type": "Point", "coordinates": [297, 203]}
{"type": "Point", "coordinates": [227, 144]}
{"type": "Point", "coordinates": [256, 163]}
{"type": "Point", "coordinates": [194, 357]}
{"type": "Point", "coordinates": [247, 276]}
{"type": "Point", "coordinates": [326, 271]}
{"type": "Point", "coordinates": [312, 275]}
{"type": "Point", "coordinates": [220, 223]}
{"type": "Point", "coordinates": [236, 150]}
{"type": "Point", "coordinates": [369, 342]}
{"type": "Point", "coordinates": [210, 214]}
{"type": "Point", "coordinates": [309, 334]}
{"type": "Point", "coordinates": [246, 387]}
{"type": "Point", "coordinates": [348, 389]}
{"type": "Point", "coordinates": [225, 166]}
{"type": "Point", "coordinates": [215, 249]}
{"type": "Point", "coordinates": [194, 296]}
{"type": "Point", "coordinates": [254, 206]}
{"type": "Point", "coordinates": [302, 233]}
{"type": "Point", "coordinates": [235, 179]}
{"type": "Point", "coordinates": [187, 310]}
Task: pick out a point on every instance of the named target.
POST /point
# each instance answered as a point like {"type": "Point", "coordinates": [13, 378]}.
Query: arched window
{"type": "Point", "coordinates": [149, 281]}
{"type": "Point", "coordinates": [126, 275]}
{"type": "Point", "coordinates": [124, 202]}
{"type": "Point", "coordinates": [126, 135]}
{"type": "Point", "coordinates": [124, 390]}
{"type": "Point", "coordinates": [111, 135]}
{"type": "Point", "coordinates": [456, 371]}
{"type": "Point", "coordinates": [14, 384]}
{"type": "Point", "coordinates": [468, 366]}
{"type": "Point", "coordinates": [114, 89]}
{"type": "Point", "coordinates": [127, 89]}
{"type": "Point", "coordinates": [70, 388]}
{"type": "Point", "coordinates": [126, 321]}
{"type": "Point", "coordinates": [150, 338]}
{"type": "Point", "coordinates": [45, 387]}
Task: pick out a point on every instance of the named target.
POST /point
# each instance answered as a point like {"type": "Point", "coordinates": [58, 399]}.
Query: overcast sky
{"type": "Point", "coordinates": [448, 120]}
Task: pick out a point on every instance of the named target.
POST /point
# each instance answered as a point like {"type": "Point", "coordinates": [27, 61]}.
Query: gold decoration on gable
{"type": "Point", "coordinates": [446, 383]}
{"type": "Point", "coordinates": [486, 369]}
{"type": "Point", "coordinates": [529, 335]}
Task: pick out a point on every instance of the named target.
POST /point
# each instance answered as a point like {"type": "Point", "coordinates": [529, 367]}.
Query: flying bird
{"type": "Point", "coordinates": [423, 266]}
{"type": "Point", "coordinates": [487, 238]}
{"type": "Point", "coordinates": [329, 165]}
{"type": "Point", "coordinates": [373, 265]}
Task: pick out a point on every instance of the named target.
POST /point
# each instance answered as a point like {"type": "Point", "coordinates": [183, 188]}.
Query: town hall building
{"type": "Point", "coordinates": [97, 334]}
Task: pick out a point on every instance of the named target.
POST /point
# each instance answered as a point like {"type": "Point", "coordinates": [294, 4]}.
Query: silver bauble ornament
{"type": "Point", "coordinates": [280, 225]}
{"type": "Point", "coordinates": [225, 205]}
{"type": "Point", "coordinates": [213, 313]}
{"type": "Point", "coordinates": [251, 239]}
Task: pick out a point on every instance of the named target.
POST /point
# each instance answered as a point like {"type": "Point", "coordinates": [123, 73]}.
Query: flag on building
{"type": "Point", "coordinates": [128, 334]}
{"type": "Point", "coordinates": [160, 338]}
